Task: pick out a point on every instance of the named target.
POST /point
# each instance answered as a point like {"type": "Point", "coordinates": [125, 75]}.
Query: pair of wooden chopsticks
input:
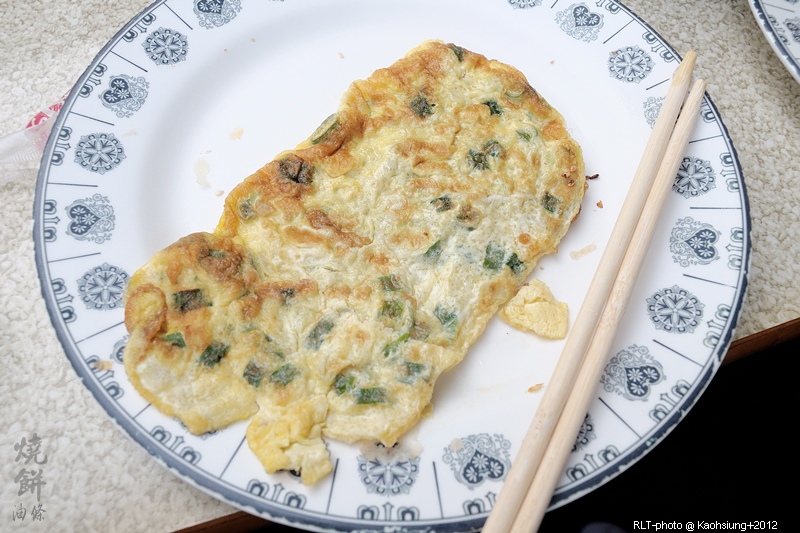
{"type": "Point", "coordinates": [539, 464]}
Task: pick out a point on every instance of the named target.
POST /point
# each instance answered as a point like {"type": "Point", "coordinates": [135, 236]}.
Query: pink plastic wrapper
{"type": "Point", "coordinates": [21, 151]}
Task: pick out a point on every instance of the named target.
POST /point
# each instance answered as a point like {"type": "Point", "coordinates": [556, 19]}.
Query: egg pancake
{"type": "Point", "coordinates": [347, 274]}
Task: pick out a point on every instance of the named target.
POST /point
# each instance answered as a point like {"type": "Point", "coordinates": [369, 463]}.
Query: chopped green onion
{"type": "Point", "coordinates": [284, 375]}
{"type": "Point", "coordinates": [213, 353]}
{"type": "Point", "coordinates": [253, 373]}
{"type": "Point", "coordinates": [448, 318]}
{"type": "Point", "coordinates": [493, 148]}
{"type": "Point", "coordinates": [515, 264]}
{"type": "Point", "coordinates": [246, 211]}
{"type": "Point", "coordinates": [421, 107]}
{"type": "Point", "coordinates": [371, 395]}
{"type": "Point", "coordinates": [318, 334]}
{"type": "Point", "coordinates": [344, 383]}
{"type": "Point", "coordinates": [478, 160]}
{"type": "Point", "coordinates": [434, 251]}
{"type": "Point", "coordinates": [443, 203]}
{"type": "Point", "coordinates": [494, 257]}
{"type": "Point", "coordinates": [524, 135]}
{"type": "Point", "coordinates": [176, 339]}
{"type": "Point", "coordinates": [392, 308]}
{"type": "Point", "coordinates": [187, 300]}
{"type": "Point", "coordinates": [328, 125]}
{"type": "Point", "coordinates": [494, 108]}
{"type": "Point", "coordinates": [390, 283]}
{"type": "Point", "coordinates": [295, 169]}
{"type": "Point", "coordinates": [550, 202]}
{"type": "Point", "coordinates": [393, 346]}
{"type": "Point", "coordinates": [414, 369]}
{"type": "Point", "coordinates": [458, 51]}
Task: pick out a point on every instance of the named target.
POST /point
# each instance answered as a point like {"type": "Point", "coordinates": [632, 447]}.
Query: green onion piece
{"type": "Point", "coordinates": [434, 251]}
{"type": "Point", "coordinates": [284, 375]}
{"type": "Point", "coordinates": [493, 148]}
{"type": "Point", "coordinates": [176, 339]}
{"type": "Point", "coordinates": [478, 160]}
{"type": "Point", "coordinates": [213, 353]}
{"type": "Point", "coordinates": [187, 300]}
{"type": "Point", "coordinates": [515, 264]}
{"type": "Point", "coordinates": [371, 395]}
{"type": "Point", "coordinates": [390, 283]}
{"type": "Point", "coordinates": [524, 135]}
{"type": "Point", "coordinates": [414, 369]}
{"type": "Point", "coordinates": [344, 383]}
{"type": "Point", "coordinates": [328, 125]}
{"type": "Point", "coordinates": [443, 203]}
{"type": "Point", "coordinates": [296, 169]}
{"type": "Point", "coordinates": [392, 308]}
{"type": "Point", "coordinates": [458, 51]}
{"type": "Point", "coordinates": [246, 211]}
{"type": "Point", "coordinates": [448, 318]}
{"type": "Point", "coordinates": [550, 202]}
{"type": "Point", "coordinates": [318, 334]}
{"type": "Point", "coordinates": [393, 346]}
{"type": "Point", "coordinates": [494, 108]}
{"type": "Point", "coordinates": [421, 107]}
{"type": "Point", "coordinates": [253, 373]}
{"type": "Point", "coordinates": [493, 259]}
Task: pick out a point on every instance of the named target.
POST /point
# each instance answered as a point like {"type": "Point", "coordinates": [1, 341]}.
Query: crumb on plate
{"type": "Point", "coordinates": [236, 134]}
{"type": "Point", "coordinates": [535, 309]}
{"type": "Point", "coordinates": [577, 254]}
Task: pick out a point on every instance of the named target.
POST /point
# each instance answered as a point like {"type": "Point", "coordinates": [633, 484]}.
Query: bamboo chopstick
{"type": "Point", "coordinates": [555, 395]}
{"type": "Point", "coordinates": [584, 391]}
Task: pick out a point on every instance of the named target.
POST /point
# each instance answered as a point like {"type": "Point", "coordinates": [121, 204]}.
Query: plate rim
{"type": "Point", "coordinates": [220, 489]}
{"type": "Point", "coordinates": [760, 14]}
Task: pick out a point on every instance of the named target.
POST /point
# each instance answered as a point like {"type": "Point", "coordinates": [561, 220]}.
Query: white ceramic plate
{"type": "Point", "coordinates": [780, 22]}
{"type": "Point", "coordinates": [192, 96]}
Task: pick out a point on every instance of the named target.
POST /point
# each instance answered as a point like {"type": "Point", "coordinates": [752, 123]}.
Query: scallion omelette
{"type": "Point", "coordinates": [347, 274]}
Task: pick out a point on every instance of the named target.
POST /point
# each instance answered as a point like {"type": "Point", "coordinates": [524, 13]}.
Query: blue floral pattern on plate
{"type": "Point", "coordinates": [692, 242]}
{"type": "Point", "coordinates": [630, 64]}
{"type": "Point", "coordinates": [102, 287]}
{"type": "Point", "coordinates": [632, 373]}
{"type": "Point", "coordinates": [91, 219]}
{"type": "Point", "coordinates": [216, 13]}
{"type": "Point", "coordinates": [580, 23]}
{"type": "Point", "coordinates": [125, 94]}
{"type": "Point", "coordinates": [99, 152]}
{"type": "Point", "coordinates": [166, 46]}
{"type": "Point", "coordinates": [475, 459]}
{"type": "Point", "coordinates": [675, 310]}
